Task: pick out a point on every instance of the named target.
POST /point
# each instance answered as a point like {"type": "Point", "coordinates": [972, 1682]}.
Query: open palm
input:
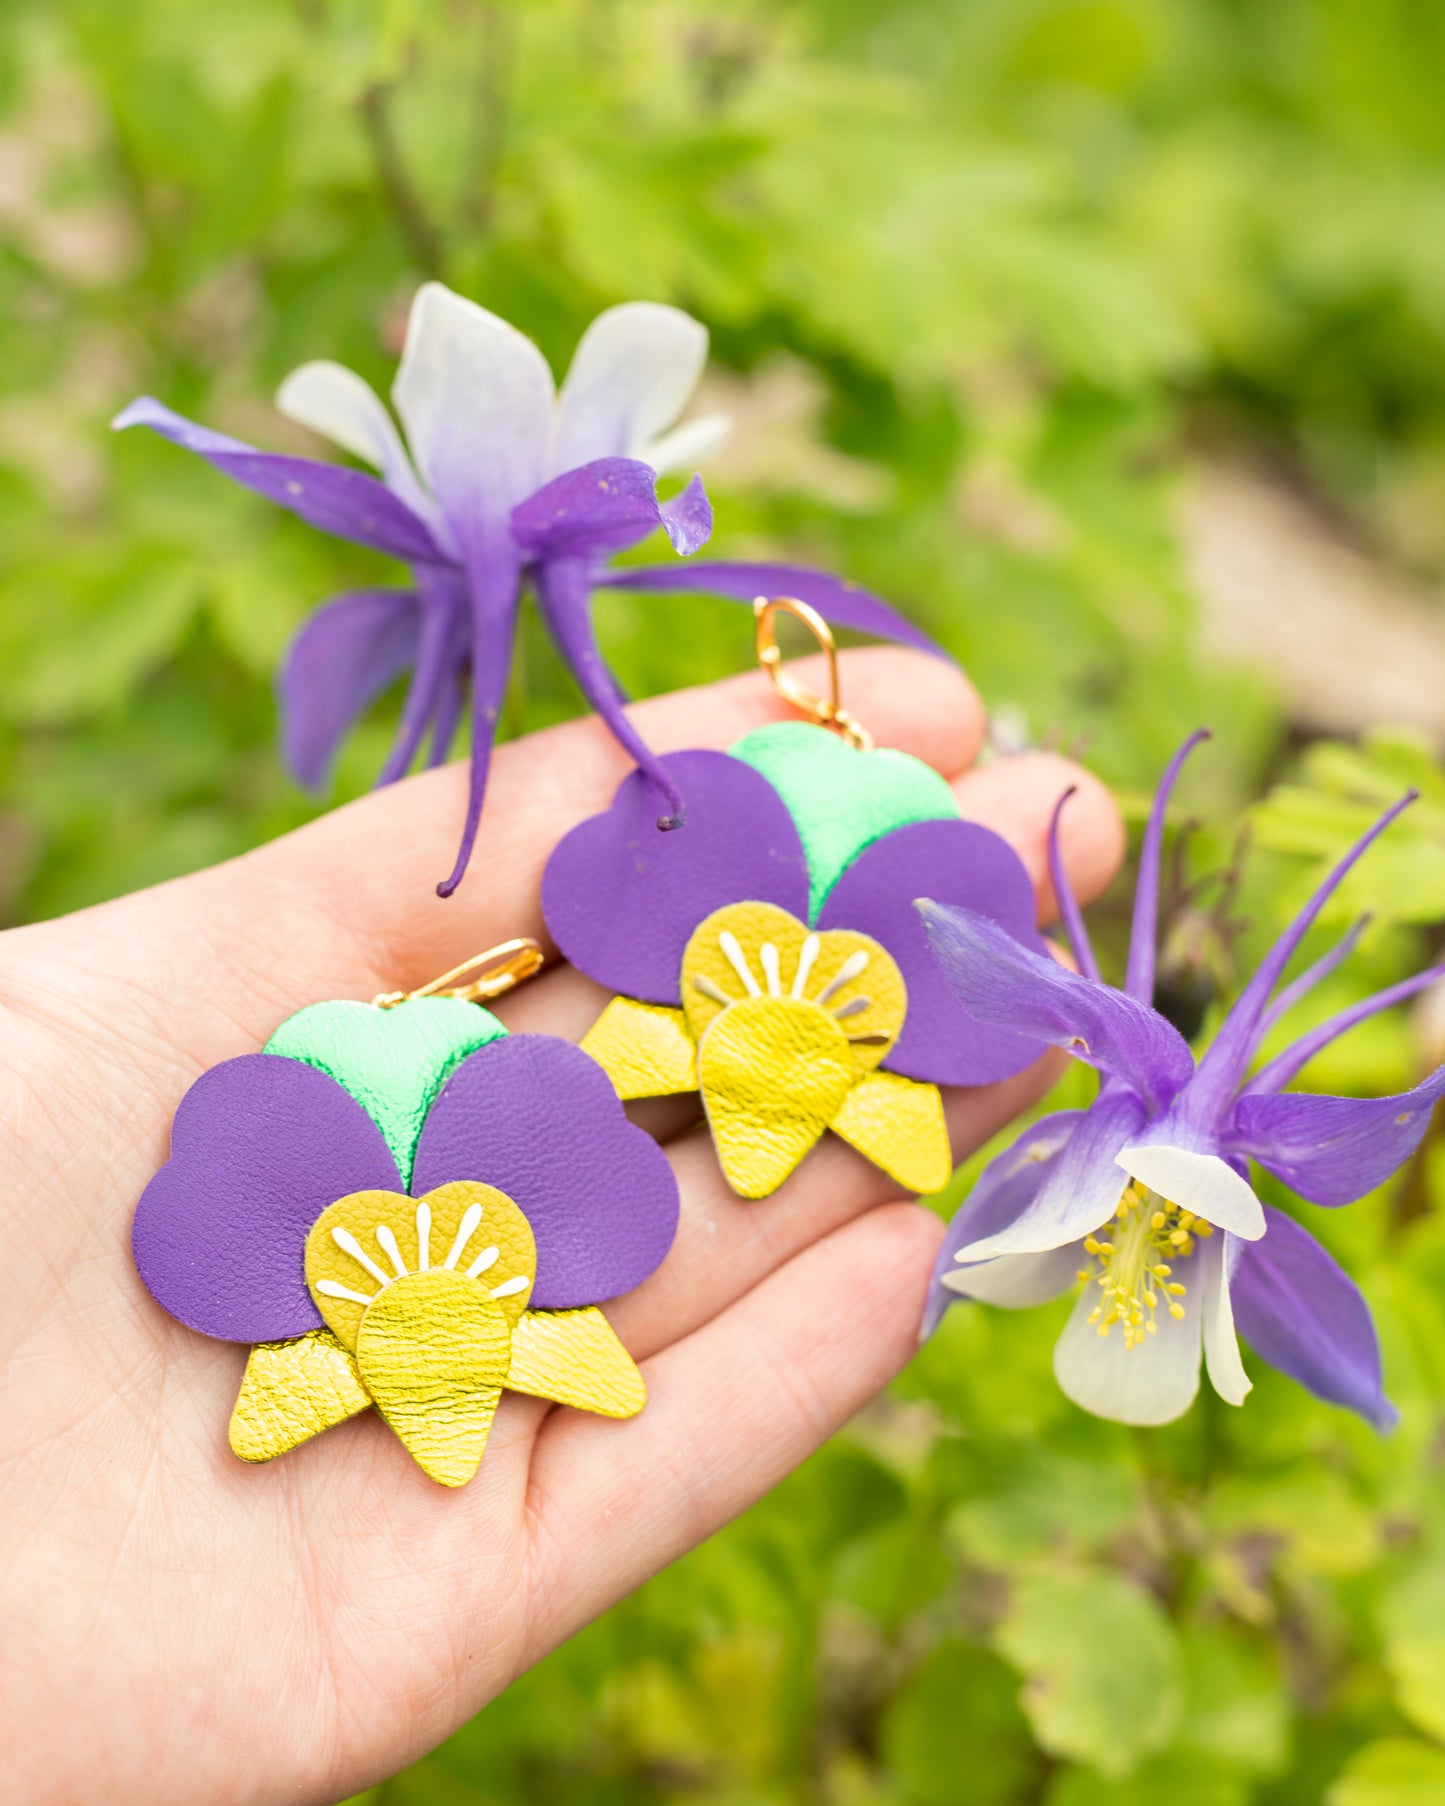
{"type": "Point", "coordinates": [182, 1627]}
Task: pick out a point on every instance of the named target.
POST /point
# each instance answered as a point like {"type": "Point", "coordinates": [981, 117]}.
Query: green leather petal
{"type": "Point", "coordinates": [842, 800]}
{"type": "Point", "coordinates": [393, 1062]}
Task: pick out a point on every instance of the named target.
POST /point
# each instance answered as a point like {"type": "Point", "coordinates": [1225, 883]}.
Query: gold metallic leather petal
{"type": "Point", "coordinates": [361, 1214]}
{"type": "Point", "coordinates": [433, 1351]}
{"type": "Point", "coordinates": [644, 1048]}
{"type": "Point", "coordinates": [745, 931]}
{"type": "Point", "coordinates": [898, 1124]}
{"type": "Point", "coordinates": [292, 1391]}
{"type": "Point", "coordinates": [575, 1358]}
{"type": "Point", "coordinates": [774, 1074]}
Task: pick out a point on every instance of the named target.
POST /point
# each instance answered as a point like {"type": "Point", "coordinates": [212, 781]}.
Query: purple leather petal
{"type": "Point", "coordinates": [622, 897]}
{"type": "Point", "coordinates": [260, 1146]}
{"type": "Point", "coordinates": [949, 862]}
{"type": "Point", "coordinates": [332, 497]}
{"type": "Point", "coordinates": [1333, 1150]}
{"type": "Point", "coordinates": [1006, 1187]}
{"type": "Point", "coordinates": [606, 506]}
{"type": "Point", "coordinates": [535, 1117]}
{"type": "Point", "coordinates": [1299, 1310]}
{"type": "Point", "coordinates": [340, 661]}
{"type": "Point", "coordinates": [1001, 982]}
{"type": "Point", "coordinates": [837, 600]}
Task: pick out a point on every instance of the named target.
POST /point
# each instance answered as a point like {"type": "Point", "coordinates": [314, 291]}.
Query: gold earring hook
{"type": "Point", "coordinates": [499, 969]}
{"type": "Point", "coordinates": [824, 713]}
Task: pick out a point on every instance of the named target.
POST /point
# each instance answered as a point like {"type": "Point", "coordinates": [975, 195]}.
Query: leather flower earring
{"type": "Point", "coordinates": [766, 951]}
{"type": "Point", "coordinates": [397, 1204]}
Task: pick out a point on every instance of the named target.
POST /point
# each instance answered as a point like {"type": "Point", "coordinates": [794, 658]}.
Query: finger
{"type": "Point", "coordinates": [731, 1410]}
{"type": "Point", "coordinates": [346, 906]}
{"type": "Point", "coordinates": [725, 1245]}
{"type": "Point", "coordinates": [542, 786]}
{"type": "Point", "coordinates": [1016, 797]}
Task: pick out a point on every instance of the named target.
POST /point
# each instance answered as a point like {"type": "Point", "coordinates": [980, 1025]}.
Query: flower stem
{"type": "Point", "coordinates": [423, 240]}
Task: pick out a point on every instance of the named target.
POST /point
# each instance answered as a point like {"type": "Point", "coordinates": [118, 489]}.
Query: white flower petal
{"type": "Point", "coordinates": [1080, 1192]}
{"type": "Point", "coordinates": [632, 375]}
{"type": "Point", "coordinates": [1018, 1281]}
{"type": "Point", "coordinates": [476, 398]}
{"type": "Point", "coordinates": [343, 407]}
{"type": "Point", "coordinates": [1221, 1344]}
{"type": "Point", "coordinates": [688, 445]}
{"type": "Point", "coordinates": [1203, 1183]}
{"type": "Point", "coordinates": [1151, 1384]}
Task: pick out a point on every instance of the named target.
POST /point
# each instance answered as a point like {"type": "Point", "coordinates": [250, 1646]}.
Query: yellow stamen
{"type": "Point", "coordinates": [1127, 1267]}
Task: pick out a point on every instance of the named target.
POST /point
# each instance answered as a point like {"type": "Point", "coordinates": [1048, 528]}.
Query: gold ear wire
{"type": "Point", "coordinates": [499, 969]}
{"type": "Point", "coordinates": [828, 713]}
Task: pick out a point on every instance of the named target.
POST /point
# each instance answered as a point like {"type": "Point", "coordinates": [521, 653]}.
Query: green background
{"type": "Point", "coordinates": [988, 282]}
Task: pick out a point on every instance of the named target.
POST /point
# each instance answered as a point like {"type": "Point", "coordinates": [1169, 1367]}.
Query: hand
{"type": "Point", "coordinates": [179, 1626]}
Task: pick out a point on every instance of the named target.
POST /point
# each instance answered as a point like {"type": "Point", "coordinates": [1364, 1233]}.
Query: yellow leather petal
{"type": "Point", "coordinates": [574, 1358]}
{"type": "Point", "coordinates": [774, 1074]}
{"type": "Point", "coordinates": [898, 1124]}
{"type": "Point", "coordinates": [758, 950]}
{"type": "Point", "coordinates": [433, 1352]}
{"type": "Point", "coordinates": [425, 1231]}
{"type": "Point", "coordinates": [644, 1048]}
{"type": "Point", "coordinates": [292, 1391]}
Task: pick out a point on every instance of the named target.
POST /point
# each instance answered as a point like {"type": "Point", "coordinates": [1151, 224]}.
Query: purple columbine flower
{"type": "Point", "coordinates": [1145, 1196]}
{"type": "Point", "coordinates": [502, 480]}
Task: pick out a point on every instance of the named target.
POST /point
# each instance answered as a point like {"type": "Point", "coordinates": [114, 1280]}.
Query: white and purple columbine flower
{"type": "Point", "coordinates": [1145, 1196]}
{"type": "Point", "coordinates": [502, 480]}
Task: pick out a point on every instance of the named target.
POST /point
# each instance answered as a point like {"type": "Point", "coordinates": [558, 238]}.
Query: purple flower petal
{"type": "Point", "coordinates": [260, 1146]}
{"type": "Point", "coordinates": [1005, 1189]}
{"type": "Point", "coordinates": [1001, 982]}
{"type": "Point", "coordinates": [1333, 1150]}
{"type": "Point", "coordinates": [441, 651]}
{"type": "Point", "coordinates": [621, 897]}
{"type": "Point", "coordinates": [1080, 1191]}
{"type": "Point", "coordinates": [1228, 1055]}
{"type": "Point", "coordinates": [1144, 930]}
{"type": "Point", "coordinates": [1285, 1066]}
{"type": "Point", "coordinates": [1071, 916]}
{"type": "Point", "coordinates": [1300, 1311]}
{"type": "Point", "coordinates": [535, 1117]}
{"type": "Point", "coordinates": [837, 600]}
{"type": "Point", "coordinates": [1301, 987]}
{"type": "Point", "coordinates": [564, 594]}
{"type": "Point", "coordinates": [605, 507]}
{"type": "Point", "coordinates": [332, 497]}
{"type": "Point", "coordinates": [496, 596]}
{"type": "Point", "coordinates": [340, 661]}
{"type": "Point", "coordinates": [952, 862]}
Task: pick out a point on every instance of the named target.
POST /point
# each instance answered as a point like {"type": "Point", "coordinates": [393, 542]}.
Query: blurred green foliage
{"type": "Point", "coordinates": [983, 276]}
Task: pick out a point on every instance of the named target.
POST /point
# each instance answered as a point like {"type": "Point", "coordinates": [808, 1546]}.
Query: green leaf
{"type": "Point", "coordinates": [1103, 1674]}
{"type": "Point", "coordinates": [953, 1733]}
{"type": "Point", "coordinates": [1177, 1780]}
{"type": "Point", "coordinates": [1237, 1713]}
{"type": "Point", "coordinates": [1412, 1620]}
{"type": "Point", "coordinates": [1393, 1772]}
